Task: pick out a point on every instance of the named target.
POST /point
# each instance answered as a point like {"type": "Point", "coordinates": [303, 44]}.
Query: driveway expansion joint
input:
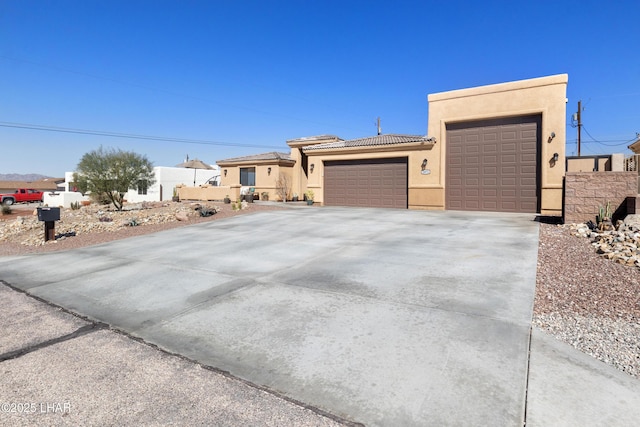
{"type": "Point", "coordinates": [86, 329]}
{"type": "Point", "coordinates": [526, 383]}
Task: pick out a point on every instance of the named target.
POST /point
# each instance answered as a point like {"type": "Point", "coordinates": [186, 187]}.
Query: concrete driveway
{"type": "Point", "coordinates": [382, 317]}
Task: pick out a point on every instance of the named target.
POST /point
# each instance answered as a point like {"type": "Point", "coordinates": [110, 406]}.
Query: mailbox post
{"type": "Point", "coordinates": [49, 216]}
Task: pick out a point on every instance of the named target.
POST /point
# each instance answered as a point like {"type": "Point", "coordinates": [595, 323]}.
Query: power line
{"type": "Point", "coordinates": [602, 142]}
{"type": "Point", "coordinates": [130, 135]}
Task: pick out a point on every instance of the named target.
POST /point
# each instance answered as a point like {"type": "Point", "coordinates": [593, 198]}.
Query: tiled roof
{"type": "Point", "coordinates": [371, 141]}
{"type": "Point", "coordinates": [49, 184]}
{"type": "Point", "coordinates": [273, 155]}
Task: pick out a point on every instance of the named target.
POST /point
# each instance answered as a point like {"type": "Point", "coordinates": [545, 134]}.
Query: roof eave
{"type": "Point", "coordinates": [278, 162]}
{"type": "Point", "coordinates": [635, 147]}
{"type": "Point", "coordinates": [404, 146]}
{"type": "Point", "coordinates": [305, 142]}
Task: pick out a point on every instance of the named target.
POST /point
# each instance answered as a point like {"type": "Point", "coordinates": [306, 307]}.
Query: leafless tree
{"type": "Point", "coordinates": [283, 187]}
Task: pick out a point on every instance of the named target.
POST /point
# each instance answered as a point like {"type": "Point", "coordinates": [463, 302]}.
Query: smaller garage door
{"type": "Point", "coordinates": [380, 183]}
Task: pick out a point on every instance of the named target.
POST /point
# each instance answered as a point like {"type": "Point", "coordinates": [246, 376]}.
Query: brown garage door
{"type": "Point", "coordinates": [492, 165]}
{"type": "Point", "coordinates": [380, 183]}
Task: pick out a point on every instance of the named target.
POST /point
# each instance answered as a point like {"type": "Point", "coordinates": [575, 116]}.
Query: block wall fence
{"type": "Point", "coordinates": [585, 192]}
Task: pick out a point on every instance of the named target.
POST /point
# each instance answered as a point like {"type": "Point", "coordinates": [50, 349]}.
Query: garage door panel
{"type": "Point", "coordinates": [490, 181]}
{"type": "Point", "coordinates": [508, 147]}
{"type": "Point", "coordinates": [471, 150]}
{"type": "Point", "coordinates": [472, 171]}
{"type": "Point", "coordinates": [490, 171]}
{"type": "Point", "coordinates": [490, 160]}
{"type": "Point", "coordinates": [489, 137]}
{"type": "Point", "coordinates": [497, 157]}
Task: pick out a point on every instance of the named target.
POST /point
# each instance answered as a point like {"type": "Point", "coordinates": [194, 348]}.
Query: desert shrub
{"type": "Point", "coordinates": [75, 206]}
{"type": "Point", "coordinates": [6, 210]}
{"type": "Point", "coordinates": [205, 211]}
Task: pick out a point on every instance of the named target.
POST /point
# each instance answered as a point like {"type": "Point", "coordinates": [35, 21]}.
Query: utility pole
{"type": "Point", "coordinates": [579, 124]}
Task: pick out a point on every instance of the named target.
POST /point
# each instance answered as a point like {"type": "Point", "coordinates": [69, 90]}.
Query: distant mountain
{"type": "Point", "coordinates": [29, 177]}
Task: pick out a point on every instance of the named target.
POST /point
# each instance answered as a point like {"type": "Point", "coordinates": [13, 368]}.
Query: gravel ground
{"type": "Point", "coordinates": [22, 233]}
{"type": "Point", "coordinates": [586, 300]}
{"type": "Point", "coordinates": [581, 298]}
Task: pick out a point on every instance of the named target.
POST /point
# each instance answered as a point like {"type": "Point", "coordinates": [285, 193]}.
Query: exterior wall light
{"type": "Point", "coordinates": [311, 166]}
{"type": "Point", "coordinates": [553, 135]}
{"type": "Point", "coordinates": [225, 172]}
{"type": "Point", "coordinates": [555, 157]}
{"type": "Point", "coordinates": [424, 164]}
{"type": "Point", "coordinates": [268, 171]}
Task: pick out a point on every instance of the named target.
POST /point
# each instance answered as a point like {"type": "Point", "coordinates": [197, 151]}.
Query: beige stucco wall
{"type": "Point", "coordinates": [299, 176]}
{"type": "Point", "coordinates": [588, 164]}
{"type": "Point", "coordinates": [265, 181]}
{"type": "Point", "coordinates": [208, 192]}
{"type": "Point", "coordinates": [545, 96]}
{"type": "Point", "coordinates": [299, 180]}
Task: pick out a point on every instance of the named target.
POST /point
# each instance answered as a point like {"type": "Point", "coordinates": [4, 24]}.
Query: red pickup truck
{"type": "Point", "coordinates": [21, 195]}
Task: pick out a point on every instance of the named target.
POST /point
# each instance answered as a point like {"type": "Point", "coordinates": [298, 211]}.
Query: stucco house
{"type": "Point", "coordinates": [260, 172]}
{"type": "Point", "coordinates": [167, 178]}
{"type": "Point", "coordinates": [490, 148]}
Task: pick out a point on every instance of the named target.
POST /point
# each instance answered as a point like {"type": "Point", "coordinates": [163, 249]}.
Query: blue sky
{"type": "Point", "coordinates": [226, 79]}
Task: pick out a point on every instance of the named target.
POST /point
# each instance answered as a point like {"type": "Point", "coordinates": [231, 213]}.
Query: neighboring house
{"type": "Point", "coordinates": [166, 179]}
{"type": "Point", "coordinates": [46, 184]}
{"type": "Point", "coordinates": [491, 148]}
{"type": "Point", "coordinates": [260, 171]}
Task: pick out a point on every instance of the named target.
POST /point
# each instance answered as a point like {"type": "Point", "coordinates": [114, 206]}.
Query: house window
{"type": "Point", "coordinates": [143, 186]}
{"type": "Point", "coordinates": [248, 176]}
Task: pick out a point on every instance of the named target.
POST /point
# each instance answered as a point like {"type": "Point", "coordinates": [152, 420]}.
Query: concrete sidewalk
{"type": "Point", "coordinates": [570, 388]}
{"type": "Point", "coordinates": [377, 316]}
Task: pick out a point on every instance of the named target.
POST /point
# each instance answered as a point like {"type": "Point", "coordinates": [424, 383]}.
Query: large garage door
{"type": "Point", "coordinates": [371, 183]}
{"type": "Point", "coordinates": [492, 165]}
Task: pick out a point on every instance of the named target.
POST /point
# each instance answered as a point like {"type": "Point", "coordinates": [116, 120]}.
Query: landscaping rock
{"type": "Point", "coordinates": [621, 245]}
{"type": "Point", "coordinates": [27, 230]}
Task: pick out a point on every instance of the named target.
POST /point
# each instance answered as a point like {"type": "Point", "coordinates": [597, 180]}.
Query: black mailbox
{"type": "Point", "coordinates": [49, 214]}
